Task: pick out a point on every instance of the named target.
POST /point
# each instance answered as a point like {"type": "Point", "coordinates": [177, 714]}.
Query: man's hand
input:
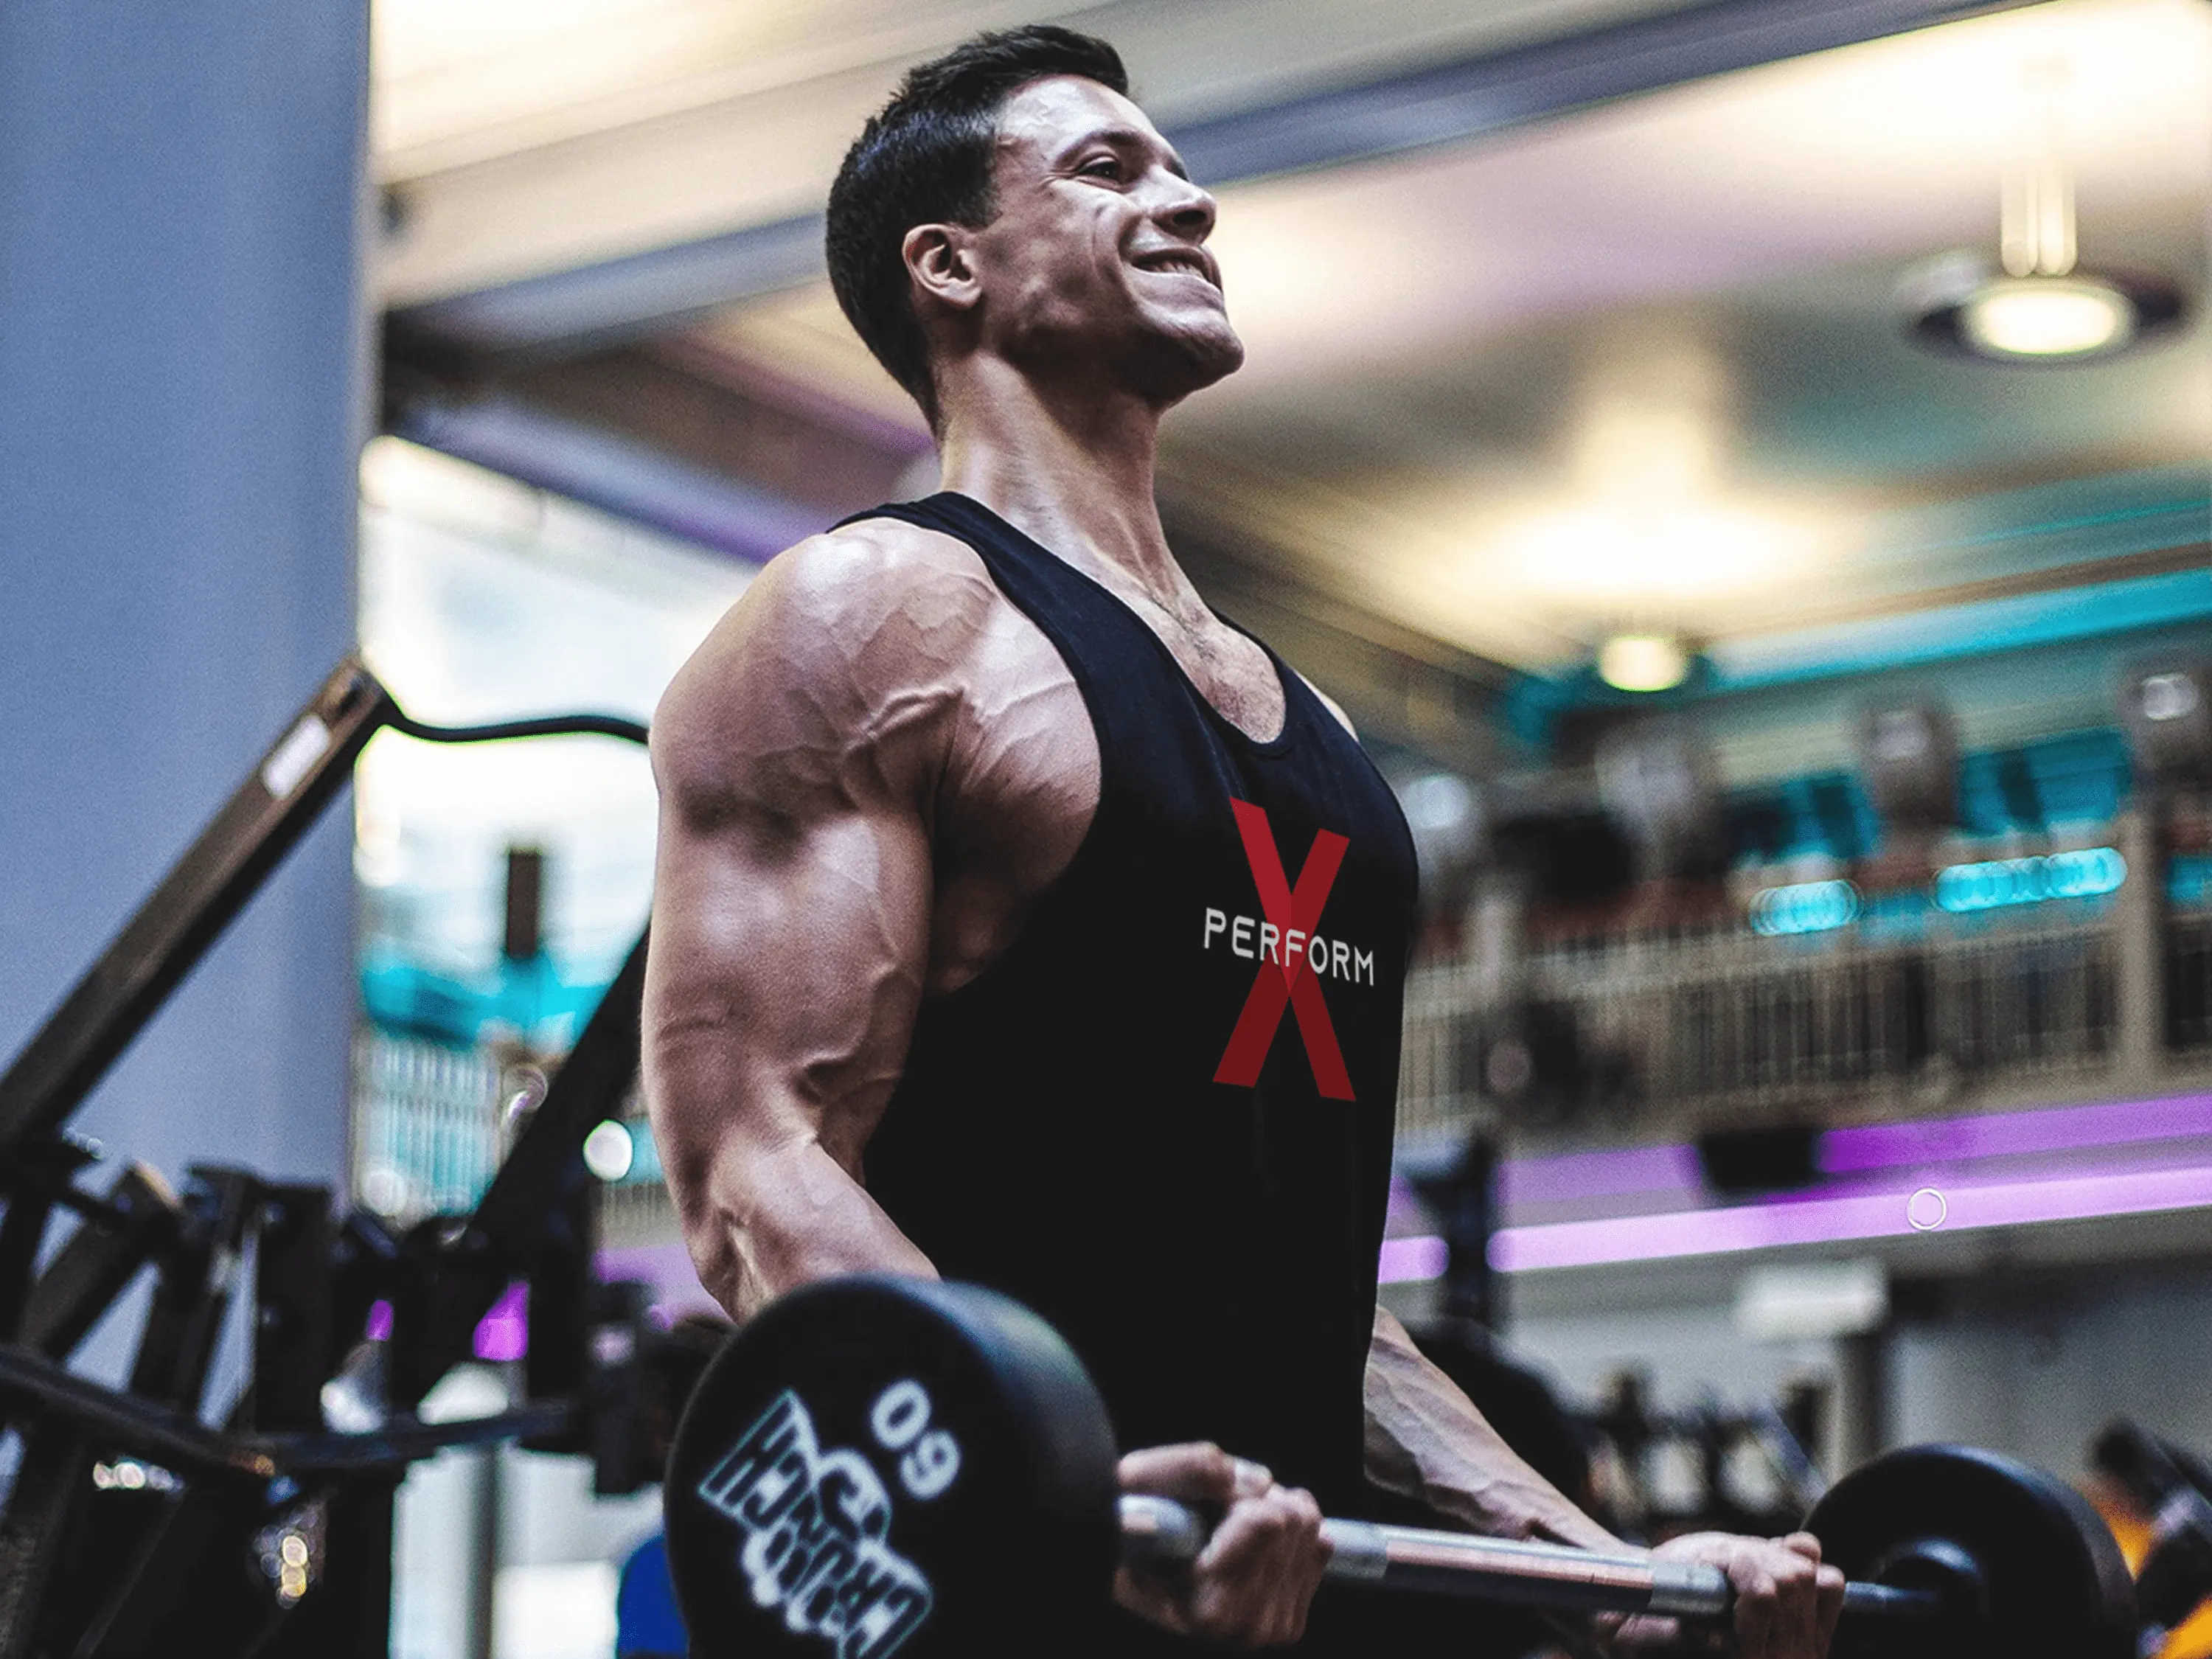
{"type": "Point", "coordinates": [1251, 1585]}
{"type": "Point", "coordinates": [1786, 1602]}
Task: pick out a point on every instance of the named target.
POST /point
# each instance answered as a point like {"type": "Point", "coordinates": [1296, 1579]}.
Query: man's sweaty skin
{"type": "Point", "coordinates": [875, 764]}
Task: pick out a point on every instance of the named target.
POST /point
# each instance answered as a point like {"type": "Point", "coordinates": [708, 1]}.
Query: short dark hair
{"type": "Point", "coordinates": [927, 158]}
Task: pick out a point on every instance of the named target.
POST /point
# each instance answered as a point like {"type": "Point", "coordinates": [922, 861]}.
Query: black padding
{"type": "Point", "coordinates": [877, 1465]}
{"type": "Point", "coordinates": [2053, 1583]}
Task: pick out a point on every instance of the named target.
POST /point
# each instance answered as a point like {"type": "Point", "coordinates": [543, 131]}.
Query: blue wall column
{"type": "Point", "coordinates": [182, 400]}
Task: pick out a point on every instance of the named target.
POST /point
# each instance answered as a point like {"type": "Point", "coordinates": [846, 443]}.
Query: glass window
{"type": "Point", "coordinates": [484, 599]}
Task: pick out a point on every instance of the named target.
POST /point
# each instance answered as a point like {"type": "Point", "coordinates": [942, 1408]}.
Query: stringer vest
{"type": "Point", "coordinates": [1163, 1117]}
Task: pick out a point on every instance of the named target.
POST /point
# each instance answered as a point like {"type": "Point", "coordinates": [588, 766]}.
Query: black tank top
{"type": "Point", "coordinates": [1163, 1117]}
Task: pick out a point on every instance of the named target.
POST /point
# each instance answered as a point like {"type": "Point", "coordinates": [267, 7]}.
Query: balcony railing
{"type": "Point", "coordinates": [1624, 1034]}
{"type": "Point", "coordinates": [1704, 1023]}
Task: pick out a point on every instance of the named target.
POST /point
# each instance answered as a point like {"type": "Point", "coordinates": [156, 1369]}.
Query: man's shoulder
{"type": "Point", "coordinates": [873, 573]}
{"type": "Point", "coordinates": [1334, 708]}
{"type": "Point", "coordinates": [842, 625]}
{"type": "Point", "coordinates": [883, 549]}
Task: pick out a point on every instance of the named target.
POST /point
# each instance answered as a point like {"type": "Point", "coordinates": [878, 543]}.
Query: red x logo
{"type": "Point", "coordinates": [1286, 978]}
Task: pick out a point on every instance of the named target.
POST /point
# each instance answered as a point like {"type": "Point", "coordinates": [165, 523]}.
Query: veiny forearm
{"type": "Point", "coordinates": [768, 1199]}
{"type": "Point", "coordinates": [779, 998]}
{"type": "Point", "coordinates": [783, 1219]}
{"type": "Point", "coordinates": [1427, 1441]}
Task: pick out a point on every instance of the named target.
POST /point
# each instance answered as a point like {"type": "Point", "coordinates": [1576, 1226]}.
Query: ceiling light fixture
{"type": "Point", "coordinates": [2040, 316]}
{"type": "Point", "coordinates": [1642, 662]}
{"type": "Point", "coordinates": [2042, 307]}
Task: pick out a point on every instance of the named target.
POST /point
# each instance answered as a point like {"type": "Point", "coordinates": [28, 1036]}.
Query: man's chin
{"type": "Point", "coordinates": [1227, 355]}
{"type": "Point", "coordinates": [1196, 358]}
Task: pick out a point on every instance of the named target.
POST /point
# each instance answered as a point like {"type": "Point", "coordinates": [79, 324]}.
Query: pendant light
{"type": "Point", "coordinates": [2040, 305]}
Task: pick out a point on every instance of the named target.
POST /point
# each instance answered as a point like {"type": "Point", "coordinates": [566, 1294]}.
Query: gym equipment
{"type": "Point", "coordinates": [837, 1447]}
{"type": "Point", "coordinates": [875, 1465]}
{"type": "Point", "coordinates": [129, 1519]}
{"type": "Point", "coordinates": [2027, 1566]}
{"type": "Point", "coordinates": [2166, 709]}
{"type": "Point", "coordinates": [1908, 756]}
{"type": "Point", "coordinates": [1752, 1473]}
{"type": "Point", "coordinates": [2174, 1487]}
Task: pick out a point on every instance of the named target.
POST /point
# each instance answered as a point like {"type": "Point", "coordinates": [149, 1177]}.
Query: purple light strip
{"type": "Point", "coordinates": [2006, 1134]}
{"type": "Point", "coordinates": [1831, 1220]}
{"type": "Point", "coordinates": [1599, 1175]}
{"type": "Point", "coordinates": [1799, 1220]}
{"type": "Point", "coordinates": [668, 1269]}
{"type": "Point", "coordinates": [1674, 1168]}
{"type": "Point", "coordinates": [1411, 1260]}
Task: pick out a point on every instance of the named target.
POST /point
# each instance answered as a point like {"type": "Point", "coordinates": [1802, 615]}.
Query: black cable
{"type": "Point", "coordinates": [550, 725]}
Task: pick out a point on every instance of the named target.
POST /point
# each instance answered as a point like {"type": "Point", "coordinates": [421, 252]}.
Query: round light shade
{"type": "Point", "coordinates": [1642, 662]}
{"type": "Point", "coordinates": [2046, 317]}
{"type": "Point", "coordinates": [1958, 304]}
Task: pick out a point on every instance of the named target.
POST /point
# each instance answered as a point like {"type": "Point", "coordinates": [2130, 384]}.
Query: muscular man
{"type": "Point", "coordinates": [1020, 919]}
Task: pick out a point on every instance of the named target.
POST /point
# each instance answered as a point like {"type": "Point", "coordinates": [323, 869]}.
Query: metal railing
{"type": "Point", "coordinates": [1713, 1026]}
{"type": "Point", "coordinates": [1435, 1073]}
{"type": "Point", "coordinates": [426, 1125]}
{"type": "Point", "coordinates": [2189, 982]}
{"type": "Point", "coordinates": [430, 1123]}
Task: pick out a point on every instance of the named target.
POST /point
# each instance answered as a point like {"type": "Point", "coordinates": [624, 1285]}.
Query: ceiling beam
{"type": "Point", "coordinates": [662, 183]}
{"type": "Point", "coordinates": [1451, 103]}
{"type": "Point", "coordinates": [589, 461]}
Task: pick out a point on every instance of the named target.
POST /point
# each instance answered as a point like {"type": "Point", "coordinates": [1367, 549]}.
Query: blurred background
{"type": "Point", "coordinates": [1746, 468]}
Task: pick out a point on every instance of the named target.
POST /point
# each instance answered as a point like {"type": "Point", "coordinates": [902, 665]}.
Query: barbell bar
{"type": "Point", "coordinates": [875, 1466]}
{"type": "Point", "coordinates": [1160, 1532]}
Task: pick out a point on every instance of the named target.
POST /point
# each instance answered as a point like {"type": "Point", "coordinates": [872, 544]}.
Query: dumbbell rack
{"type": "Point", "coordinates": [130, 1522]}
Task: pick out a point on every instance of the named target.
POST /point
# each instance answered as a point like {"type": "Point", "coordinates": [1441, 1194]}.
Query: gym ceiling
{"type": "Point", "coordinates": [1556, 327]}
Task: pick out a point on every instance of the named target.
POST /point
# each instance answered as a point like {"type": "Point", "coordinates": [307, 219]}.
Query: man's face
{"type": "Point", "coordinates": [1097, 255]}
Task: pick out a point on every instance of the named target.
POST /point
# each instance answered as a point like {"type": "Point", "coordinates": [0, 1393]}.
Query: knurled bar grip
{"type": "Point", "coordinates": [1550, 1576]}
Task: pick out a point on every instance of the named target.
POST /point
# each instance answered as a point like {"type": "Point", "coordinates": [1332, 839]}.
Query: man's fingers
{"type": "Point", "coordinates": [1797, 1623]}
{"type": "Point", "coordinates": [1831, 1603]}
{"type": "Point", "coordinates": [1258, 1528]}
{"type": "Point", "coordinates": [1252, 1480]}
{"type": "Point", "coordinates": [1786, 1600]}
{"type": "Point", "coordinates": [1251, 1585]}
{"type": "Point", "coordinates": [1827, 1593]}
{"type": "Point", "coordinates": [1260, 1568]}
{"type": "Point", "coordinates": [1294, 1590]}
{"type": "Point", "coordinates": [1254, 1580]}
{"type": "Point", "coordinates": [1754, 1608]}
{"type": "Point", "coordinates": [1196, 1473]}
{"type": "Point", "coordinates": [1811, 1596]}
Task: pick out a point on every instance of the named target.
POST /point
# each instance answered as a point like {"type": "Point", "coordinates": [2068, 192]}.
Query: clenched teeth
{"type": "Point", "coordinates": [1181, 262]}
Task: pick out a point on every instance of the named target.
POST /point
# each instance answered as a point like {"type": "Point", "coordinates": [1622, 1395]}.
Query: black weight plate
{"type": "Point", "coordinates": [875, 1466]}
{"type": "Point", "coordinates": [2057, 1587]}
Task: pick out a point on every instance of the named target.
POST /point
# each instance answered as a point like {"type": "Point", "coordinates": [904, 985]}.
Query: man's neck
{"type": "Point", "coordinates": [1073, 470]}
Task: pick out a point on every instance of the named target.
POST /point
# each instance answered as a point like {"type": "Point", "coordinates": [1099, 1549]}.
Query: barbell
{"type": "Point", "coordinates": [874, 1466]}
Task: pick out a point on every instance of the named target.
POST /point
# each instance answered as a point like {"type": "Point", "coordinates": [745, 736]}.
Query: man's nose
{"type": "Point", "coordinates": [1188, 210]}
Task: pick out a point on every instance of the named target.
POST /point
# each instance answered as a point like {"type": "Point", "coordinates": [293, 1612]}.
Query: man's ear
{"type": "Point", "coordinates": [941, 263]}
